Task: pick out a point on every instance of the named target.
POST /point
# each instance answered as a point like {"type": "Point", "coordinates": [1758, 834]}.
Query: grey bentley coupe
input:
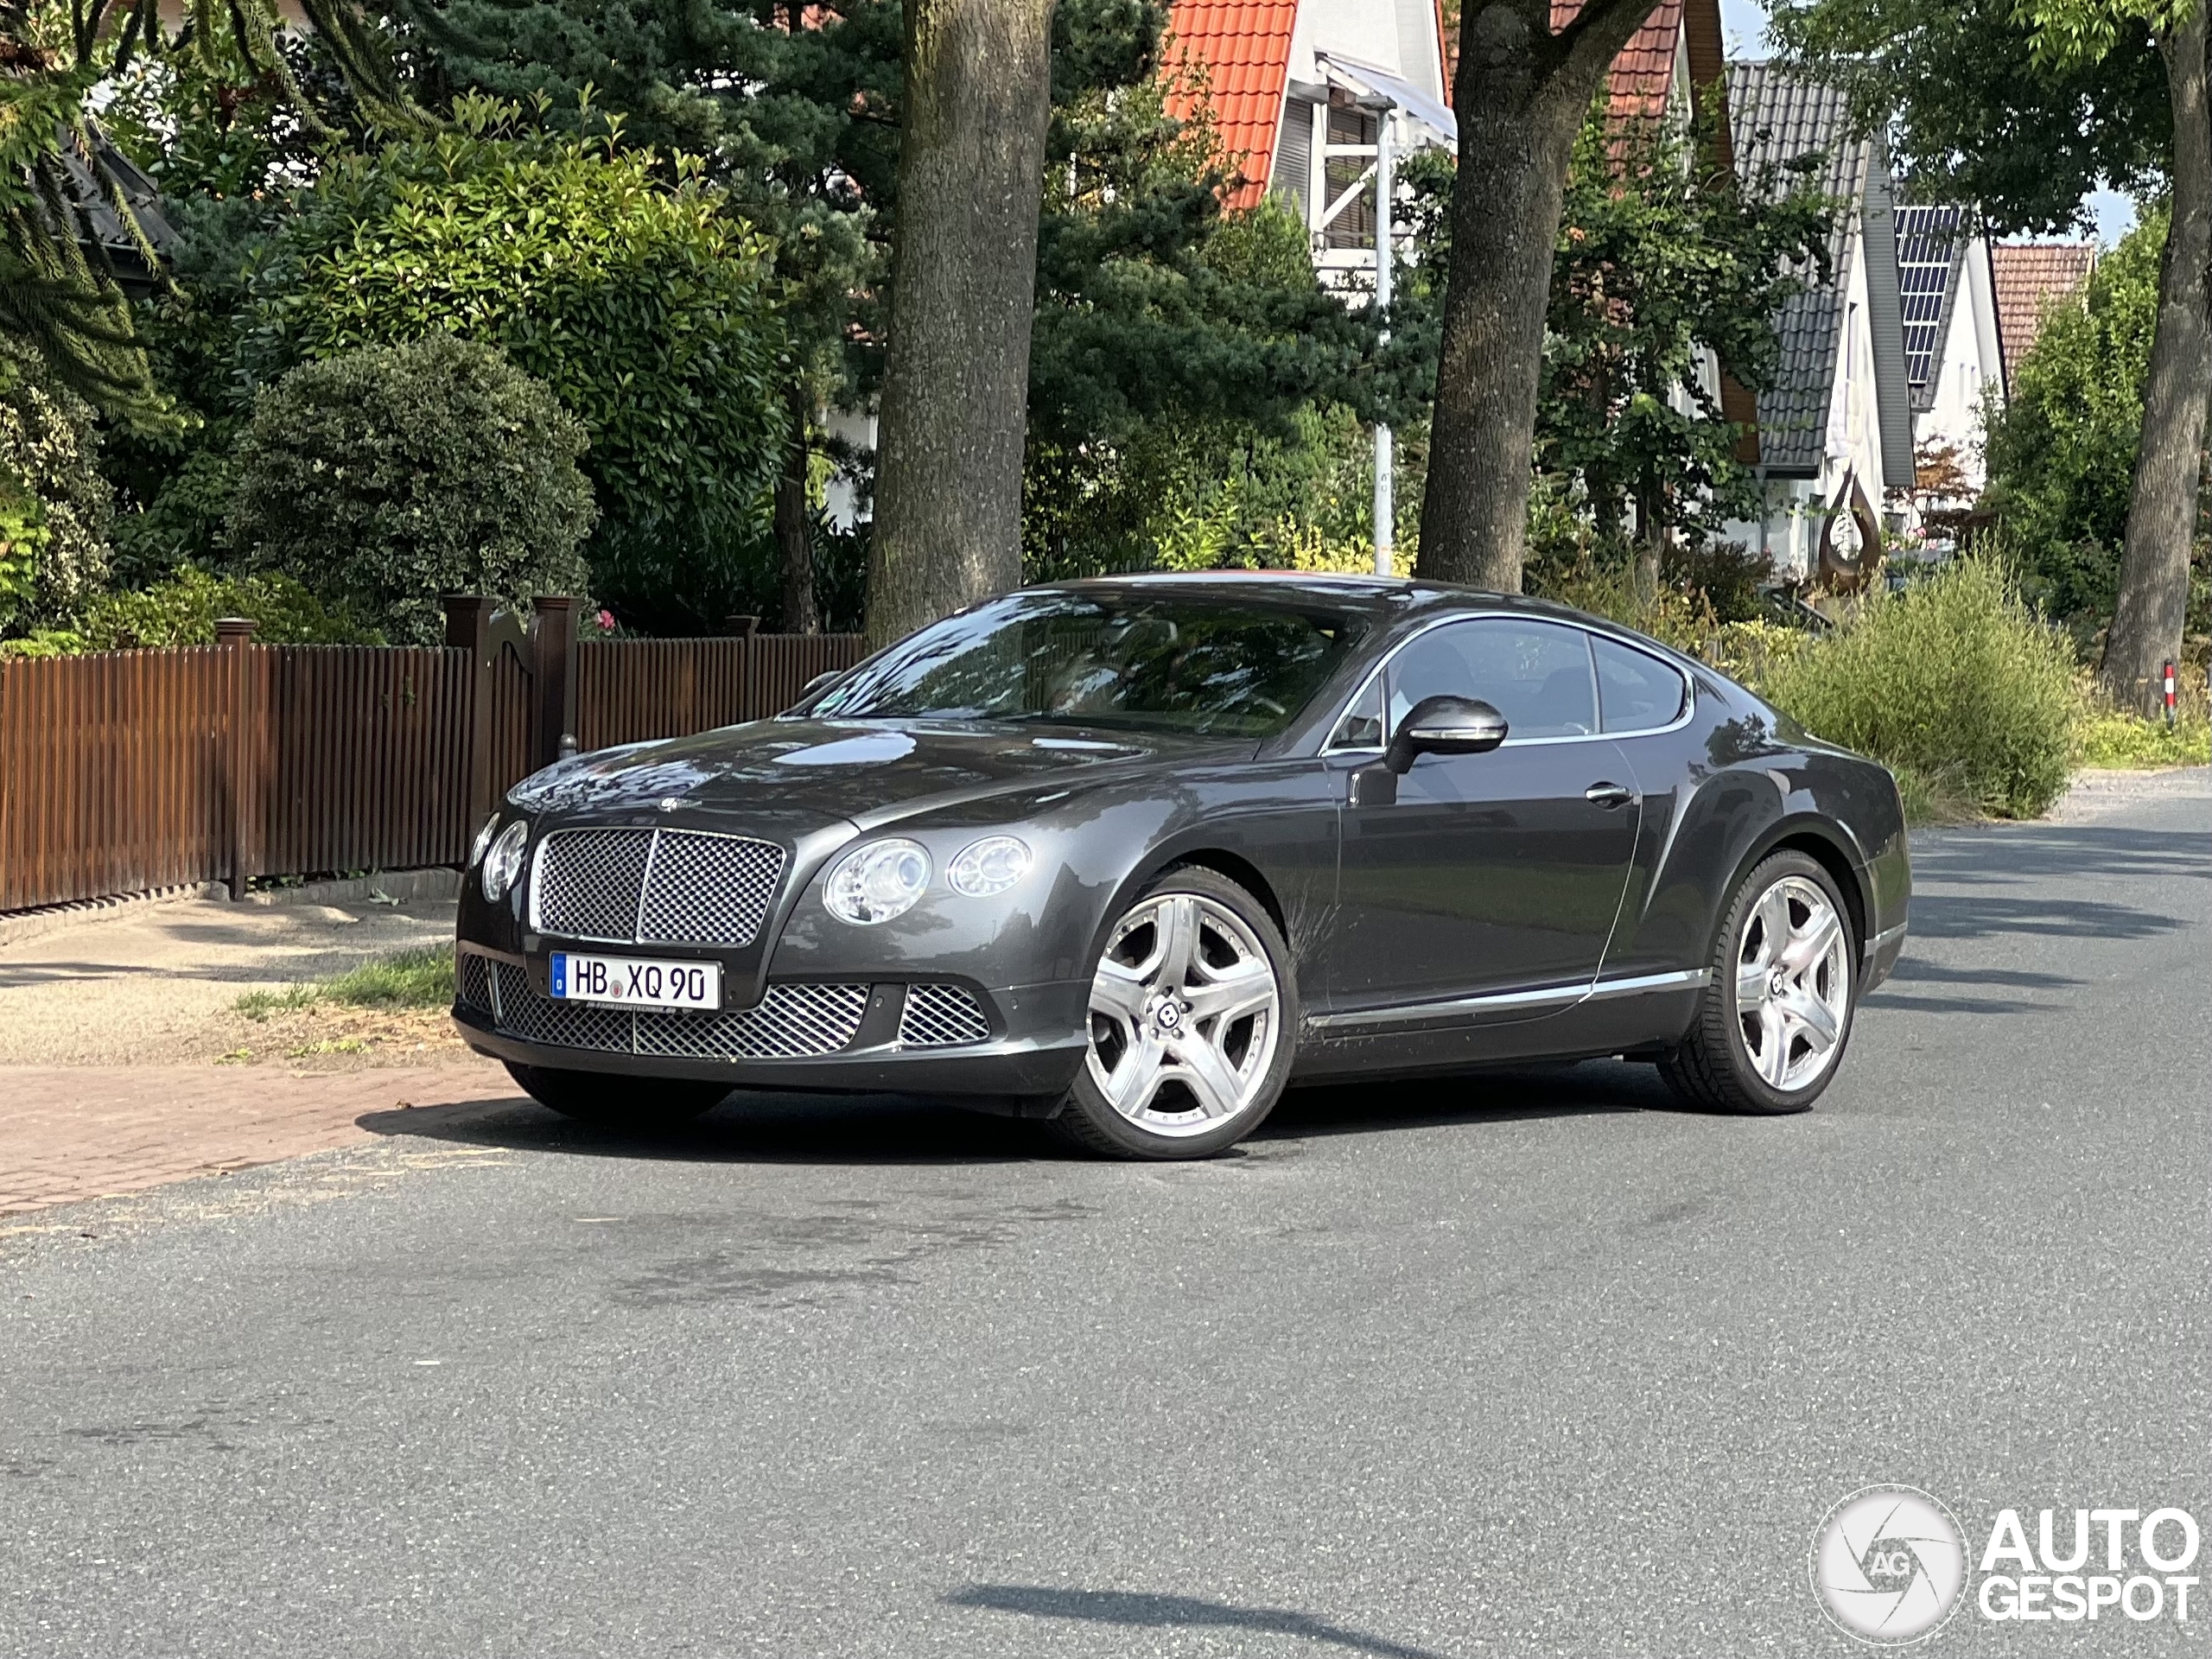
{"type": "Point", "coordinates": [1133, 854]}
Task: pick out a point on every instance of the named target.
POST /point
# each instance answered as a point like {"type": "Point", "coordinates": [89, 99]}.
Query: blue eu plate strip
{"type": "Point", "coordinates": [560, 974]}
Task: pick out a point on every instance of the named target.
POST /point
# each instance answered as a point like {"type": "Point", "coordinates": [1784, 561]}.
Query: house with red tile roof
{"type": "Point", "coordinates": [1293, 84]}
{"type": "Point", "coordinates": [2030, 277]}
{"type": "Point", "coordinates": [1294, 88]}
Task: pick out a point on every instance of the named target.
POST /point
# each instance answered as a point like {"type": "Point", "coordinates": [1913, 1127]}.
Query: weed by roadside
{"type": "Point", "coordinates": [393, 1007]}
{"type": "Point", "coordinates": [412, 979]}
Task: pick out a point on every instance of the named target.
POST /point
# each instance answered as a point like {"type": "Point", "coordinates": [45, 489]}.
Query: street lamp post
{"type": "Point", "coordinates": [1385, 515]}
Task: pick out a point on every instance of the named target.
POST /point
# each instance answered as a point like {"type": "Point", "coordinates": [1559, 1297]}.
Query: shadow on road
{"type": "Point", "coordinates": [760, 1127]}
{"type": "Point", "coordinates": [1163, 1613]}
{"type": "Point", "coordinates": [1955, 876]}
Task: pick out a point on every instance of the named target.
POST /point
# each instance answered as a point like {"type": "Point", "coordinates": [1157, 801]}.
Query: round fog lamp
{"type": "Point", "coordinates": [991, 865]}
{"type": "Point", "coordinates": [503, 863]}
{"type": "Point", "coordinates": [874, 883]}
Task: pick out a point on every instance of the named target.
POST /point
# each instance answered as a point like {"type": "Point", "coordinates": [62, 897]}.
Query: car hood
{"type": "Point", "coordinates": [799, 772]}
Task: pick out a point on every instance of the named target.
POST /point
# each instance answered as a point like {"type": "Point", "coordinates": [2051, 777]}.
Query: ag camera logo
{"type": "Point", "coordinates": [1889, 1563]}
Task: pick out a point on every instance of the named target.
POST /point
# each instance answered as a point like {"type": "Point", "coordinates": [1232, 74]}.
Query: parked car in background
{"type": "Point", "coordinates": [1133, 855]}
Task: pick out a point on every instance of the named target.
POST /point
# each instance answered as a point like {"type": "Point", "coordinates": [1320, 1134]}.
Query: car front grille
{"type": "Point", "coordinates": [941, 1016]}
{"type": "Point", "coordinates": [654, 886]}
{"type": "Point", "coordinates": [790, 1021]}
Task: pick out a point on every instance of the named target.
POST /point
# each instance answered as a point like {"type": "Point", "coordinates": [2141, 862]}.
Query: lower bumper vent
{"type": "Point", "coordinates": [789, 1023]}
{"type": "Point", "coordinates": [941, 1016]}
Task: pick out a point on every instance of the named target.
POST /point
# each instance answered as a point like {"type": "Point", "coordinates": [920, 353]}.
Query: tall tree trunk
{"type": "Point", "coordinates": [2147, 626]}
{"type": "Point", "coordinates": [956, 380]}
{"type": "Point", "coordinates": [1522, 94]}
{"type": "Point", "coordinates": [793, 541]}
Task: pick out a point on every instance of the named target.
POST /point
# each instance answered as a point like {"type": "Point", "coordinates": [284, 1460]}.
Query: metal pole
{"type": "Point", "coordinates": [1384, 508]}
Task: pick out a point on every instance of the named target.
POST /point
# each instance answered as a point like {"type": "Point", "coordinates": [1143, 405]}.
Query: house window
{"type": "Point", "coordinates": [1354, 226]}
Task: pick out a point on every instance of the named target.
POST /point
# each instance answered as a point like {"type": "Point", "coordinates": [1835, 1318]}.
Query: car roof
{"type": "Point", "coordinates": [1382, 596]}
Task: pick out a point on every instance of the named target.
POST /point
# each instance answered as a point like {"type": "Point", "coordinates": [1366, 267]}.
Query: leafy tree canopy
{"type": "Point", "coordinates": [1983, 105]}
{"type": "Point", "coordinates": [648, 308]}
{"type": "Point", "coordinates": [2062, 453]}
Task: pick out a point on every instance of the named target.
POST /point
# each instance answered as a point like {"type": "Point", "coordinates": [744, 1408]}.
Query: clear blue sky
{"type": "Point", "coordinates": [1744, 24]}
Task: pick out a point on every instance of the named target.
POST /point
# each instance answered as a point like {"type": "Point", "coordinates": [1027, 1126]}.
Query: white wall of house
{"type": "Point", "coordinates": [1968, 364]}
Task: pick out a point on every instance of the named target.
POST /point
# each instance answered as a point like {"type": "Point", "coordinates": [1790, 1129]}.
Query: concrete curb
{"type": "Point", "coordinates": [406, 885]}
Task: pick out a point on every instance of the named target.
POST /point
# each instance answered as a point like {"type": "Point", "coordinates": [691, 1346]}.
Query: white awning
{"type": "Point", "coordinates": [1359, 79]}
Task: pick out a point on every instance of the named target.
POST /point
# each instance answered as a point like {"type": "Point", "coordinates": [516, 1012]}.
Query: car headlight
{"type": "Point", "coordinates": [874, 883]}
{"type": "Point", "coordinates": [483, 841]}
{"type": "Point", "coordinates": [991, 865]}
{"type": "Point", "coordinates": [503, 862]}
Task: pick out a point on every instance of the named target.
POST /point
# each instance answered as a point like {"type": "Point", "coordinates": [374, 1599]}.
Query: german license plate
{"type": "Point", "coordinates": [630, 982]}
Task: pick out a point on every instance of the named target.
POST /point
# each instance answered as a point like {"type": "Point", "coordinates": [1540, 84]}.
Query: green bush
{"type": "Point", "coordinates": [181, 611]}
{"type": "Point", "coordinates": [646, 306]}
{"type": "Point", "coordinates": [55, 507]}
{"type": "Point", "coordinates": [1954, 680]}
{"type": "Point", "coordinates": [383, 479]}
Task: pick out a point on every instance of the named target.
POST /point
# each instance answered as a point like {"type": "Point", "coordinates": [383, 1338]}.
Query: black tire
{"type": "Point", "coordinates": [1711, 1068]}
{"type": "Point", "coordinates": [617, 1102]}
{"type": "Point", "coordinates": [1087, 1121]}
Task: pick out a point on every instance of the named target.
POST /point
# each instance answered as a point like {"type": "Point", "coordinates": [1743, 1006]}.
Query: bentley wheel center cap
{"type": "Point", "coordinates": [1777, 983]}
{"type": "Point", "coordinates": [1167, 1015]}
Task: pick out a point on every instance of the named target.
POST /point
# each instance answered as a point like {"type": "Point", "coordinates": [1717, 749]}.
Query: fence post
{"type": "Point", "coordinates": [553, 679]}
{"type": "Point", "coordinates": [468, 623]}
{"type": "Point", "coordinates": [234, 635]}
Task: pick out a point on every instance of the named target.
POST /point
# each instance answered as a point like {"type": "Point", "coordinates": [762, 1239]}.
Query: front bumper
{"type": "Point", "coordinates": [1034, 1043]}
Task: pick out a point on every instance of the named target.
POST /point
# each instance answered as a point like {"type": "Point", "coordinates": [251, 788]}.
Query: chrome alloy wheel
{"type": "Point", "coordinates": [1185, 1015]}
{"type": "Point", "coordinates": [1793, 984]}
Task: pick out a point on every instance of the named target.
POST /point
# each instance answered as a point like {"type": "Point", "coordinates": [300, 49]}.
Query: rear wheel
{"type": "Point", "coordinates": [617, 1102]}
{"type": "Point", "coordinates": [1192, 1020]}
{"type": "Point", "coordinates": [1776, 1012]}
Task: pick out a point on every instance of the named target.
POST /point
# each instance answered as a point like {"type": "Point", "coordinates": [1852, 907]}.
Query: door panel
{"type": "Point", "coordinates": [1489, 874]}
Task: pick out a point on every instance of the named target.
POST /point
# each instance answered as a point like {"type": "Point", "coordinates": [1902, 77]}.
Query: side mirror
{"type": "Point", "coordinates": [815, 685]}
{"type": "Point", "coordinates": [1445, 726]}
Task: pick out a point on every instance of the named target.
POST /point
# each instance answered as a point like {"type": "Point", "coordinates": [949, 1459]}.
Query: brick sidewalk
{"type": "Point", "coordinates": [68, 1133]}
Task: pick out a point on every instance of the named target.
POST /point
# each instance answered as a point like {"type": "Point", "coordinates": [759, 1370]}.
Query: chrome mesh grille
{"type": "Point", "coordinates": [473, 981]}
{"type": "Point", "coordinates": [537, 1018]}
{"type": "Point", "coordinates": [588, 882]}
{"type": "Point", "coordinates": [940, 1016]}
{"type": "Point", "coordinates": [708, 889]}
{"type": "Point", "coordinates": [789, 1023]}
{"type": "Point", "coordinates": [655, 886]}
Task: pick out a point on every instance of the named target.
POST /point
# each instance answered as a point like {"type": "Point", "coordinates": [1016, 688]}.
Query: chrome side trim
{"type": "Point", "coordinates": [1881, 939]}
{"type": "Point", "coordinates": [1694, 979]}
{"type": "Point", "coordinates": [1689, 686]}
{"type": "Point", "coordinates": [1557, 995]}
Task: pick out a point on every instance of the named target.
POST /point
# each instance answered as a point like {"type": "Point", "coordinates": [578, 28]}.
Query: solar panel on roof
{"type": "Point", "coordinates": [1928, 246]}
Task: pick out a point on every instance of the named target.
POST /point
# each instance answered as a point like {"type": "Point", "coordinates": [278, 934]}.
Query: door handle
{"type": "Point", "coordinates": [1609, 795]}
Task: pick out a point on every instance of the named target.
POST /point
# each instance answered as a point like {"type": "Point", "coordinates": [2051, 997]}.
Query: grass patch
{"type": "Point", "coordinates": [412, 979]}
{"type": "Point", "coordinates": [2122, 739]}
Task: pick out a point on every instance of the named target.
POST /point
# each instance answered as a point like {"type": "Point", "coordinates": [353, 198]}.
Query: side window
{"type": "Point", "coordinates": [1362, 726]}
{"type": "Point", "coordinates": [1536, 674]}
{"type": "Point", "coordinates": [1636, 692]}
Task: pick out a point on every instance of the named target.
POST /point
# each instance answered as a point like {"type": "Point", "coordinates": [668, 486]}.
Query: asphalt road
{"type": "Point", "coordinates": [1516, 1366]}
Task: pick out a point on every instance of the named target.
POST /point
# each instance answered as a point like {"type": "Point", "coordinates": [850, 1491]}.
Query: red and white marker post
{"type": "Point", "coordinates": [2170, 691]}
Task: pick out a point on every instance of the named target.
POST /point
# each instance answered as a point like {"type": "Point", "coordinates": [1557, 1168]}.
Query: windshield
{"type": "Point", "coordinates": [1156, 661]}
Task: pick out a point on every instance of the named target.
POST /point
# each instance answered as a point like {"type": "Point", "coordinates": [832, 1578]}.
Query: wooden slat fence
{"type": "Point", "coordinates": [628, 691]}
{"type": "Point", "coordinates": [112, 774]}
{"type": "Point", "coordinates": [128, 770]}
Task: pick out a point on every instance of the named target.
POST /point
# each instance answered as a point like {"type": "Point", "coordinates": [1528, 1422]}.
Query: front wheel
{"type": "Point", "coordinates": [617, 1102]}
{"type": "Point", "coordinates": [1192, 1020]}
{"type": "Point", "coordinates": [1776, 1013]}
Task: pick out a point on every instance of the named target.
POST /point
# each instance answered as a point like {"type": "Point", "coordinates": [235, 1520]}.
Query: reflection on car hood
{"type": "Point", "coordinates": [846, 769]}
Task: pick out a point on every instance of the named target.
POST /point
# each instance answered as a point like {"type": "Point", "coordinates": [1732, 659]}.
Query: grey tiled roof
{"type": "Point", "coordinates": [1931, 250]}
{"type": "Point", "coordinates": [1778, 118]}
